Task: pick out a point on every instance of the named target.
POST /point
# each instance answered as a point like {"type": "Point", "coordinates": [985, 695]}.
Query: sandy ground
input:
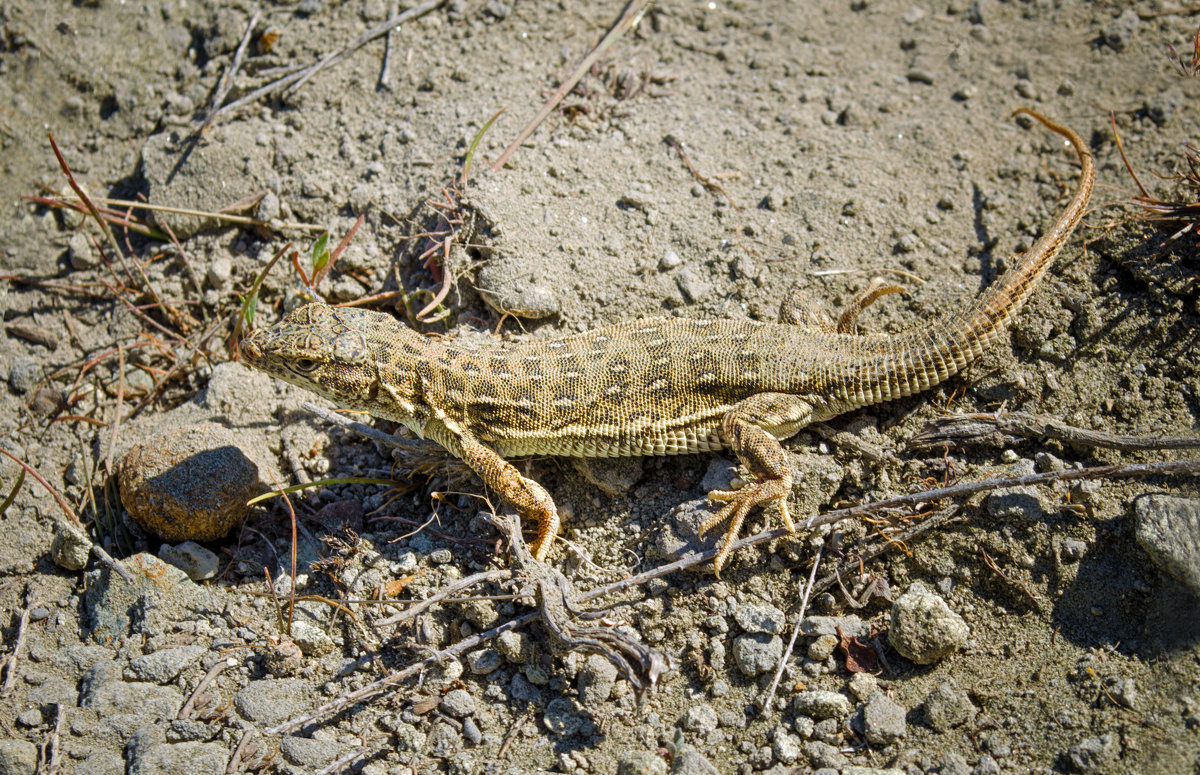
{"type": "Point", "coordinates": [829, 142]}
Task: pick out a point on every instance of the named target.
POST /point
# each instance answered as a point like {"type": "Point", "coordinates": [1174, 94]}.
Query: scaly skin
{"type": "Point", "coordinates": [651, 387]}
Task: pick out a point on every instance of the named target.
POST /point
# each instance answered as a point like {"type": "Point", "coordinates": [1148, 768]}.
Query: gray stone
{"type": "Point", "coordinates": [824, 755]}
{"type": "Point", "coordinates": [100, 762]}
{"type": "Point", "coordinates": [883, 720]}
{"type": "Point", "coordinates": [472, 732]}
{"type": "Point", "coordinates": [191, 558]}
{"type": "Point", "coordinates": [191, 731]}
{"type": "Point", "coordinates": [863, 685]}
{"type": "Point", "coordinates": [822, 648]}
{"type": "Point", "coordinates": [172, 759]}
{"type": "Point", "coordinates": [1092, 754]}
{"type": "Point", "coordinates": [103, 691]}
{"type": "Point", "coordinates": [986, 766]}
{"type": "Point", "coordinates": [754, 617]}
{"type": "Point", "coordinates": [947, 707]}
{"type": "Point", "coordinates": [641, 763]}
{"type": "Point", "coordinates": [483, 661]}
{"type": "Point", "coordinates": [1168, 529]}
{"type": "Point", "coordinates": [310, 754]}
{"type": "Point", "coordinates": [18, 757]}
{"type": "Point", "coordinates": [164, 665]}
{"type": "Point", "coordinates": [113, 608]}
{"type": "Point", "coordinates": [514, 647]}
{"type": "Point", "coordinates": [80, 252]}
{"type": "Point", "coordinates": [565, 718]}
{"type": "Point", "coordinates": [757, 653]}
{"type": "Point", "coordinates": [923, 628]}
{"type": "Point", "coordinates": [30, 717]}
{"type": "Point", "coordinates": [689, 761]}
{"type": "Point", "coordinates": [458, 703]}
{"type": "Point", "coordinates": [272, 701]}
{"type": "Point", "coordinates": [670, 260]}
{"type": "Point", "coordinates": [523, 691]}
{"type": "Point", "coordinates": [596, 680]}
{"type": "Point", "coordinates": [691, 286]}
{"type": "Point", "coordinates": [220, 271]}
{"type": "Point", "coordinates": [71, 547]}
{"type": "Point", "coordinates": [953, 763]}
{"type": "Point", "coordinates": [1015, 503]}
{"type": "Point", "coordinates": [819, 704]}
{"type": "Point", "coordinates": [852, 770]}
{"type": "Point", "coordinates": [23, 373]}
{"type": "Point", "coordinates": [700, 719]}
{"type": "Point", "coordinates": [787, 748]}
{"type": "Point", "coordinates": [852, 626]}
{"type": "Point", "coordinates": [312, 640]}
{"type": "Point", "coordinates": [54, 690]}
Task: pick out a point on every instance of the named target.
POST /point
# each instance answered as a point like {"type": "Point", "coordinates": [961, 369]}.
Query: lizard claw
{"type": "Point", "coordinates": [738, 504]}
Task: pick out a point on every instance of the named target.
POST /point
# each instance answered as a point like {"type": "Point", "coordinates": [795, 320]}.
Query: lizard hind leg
{"type": "Point", "coordinates": [745, 431]}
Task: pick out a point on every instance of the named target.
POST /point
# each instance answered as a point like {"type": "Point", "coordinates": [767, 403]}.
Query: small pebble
{"type": "Point", "coordinates": [821, 704]}
{"type": "Point", "coordinates": [191, 558]}
{"type": "Point", "coordinates": [923, 628]}
{"type": "Point", "coordinates": [458, 703]}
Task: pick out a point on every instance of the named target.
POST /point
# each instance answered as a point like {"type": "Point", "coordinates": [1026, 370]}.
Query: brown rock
{"type": "Point", "coordinates": [188, 484]}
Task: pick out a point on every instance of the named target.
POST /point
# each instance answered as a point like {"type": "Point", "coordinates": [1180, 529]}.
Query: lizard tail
{"type": "Point", "coordinates": [920, 358]}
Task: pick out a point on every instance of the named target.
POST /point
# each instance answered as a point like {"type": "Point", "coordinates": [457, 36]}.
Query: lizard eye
{"type": "Point", "coordinates": [307, 365]}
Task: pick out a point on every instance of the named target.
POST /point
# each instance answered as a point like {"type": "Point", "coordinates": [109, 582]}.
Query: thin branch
{"type": "Point", "coordinates": [1003, 427]}
{"type": "Point", "coordinates": [629, 17]}
{"type": "Point", "coordinates": [226, 82]}
{"type": "Point", "coordinates": [765, 703]}
{"type": "Point", "coordinates": [10, 664]}
{"type": "Point", "coordinates": [208, 678]}
{"type": "Point", "coordinates": [296, 79]}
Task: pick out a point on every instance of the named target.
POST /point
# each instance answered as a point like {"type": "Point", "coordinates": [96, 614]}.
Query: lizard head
{"type": "Point", "coordinates": [339, 353]}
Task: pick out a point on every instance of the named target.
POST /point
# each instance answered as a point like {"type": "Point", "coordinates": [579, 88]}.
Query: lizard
{"type": "Point", "coordinates": [659, 386]}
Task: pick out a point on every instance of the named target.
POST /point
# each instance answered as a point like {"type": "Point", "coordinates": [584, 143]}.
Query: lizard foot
{"type": "Point", "coordinates": [738, 504]}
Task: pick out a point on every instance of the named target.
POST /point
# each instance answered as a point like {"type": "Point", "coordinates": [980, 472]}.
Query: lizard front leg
{"type": "Point", "coordinates": [528, 497]}
{"type": "Point", "coordinates": [744, 428]}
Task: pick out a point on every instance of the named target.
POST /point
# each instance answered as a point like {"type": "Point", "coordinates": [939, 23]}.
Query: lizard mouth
{"type": "Point", "coordinates": [250, 348]}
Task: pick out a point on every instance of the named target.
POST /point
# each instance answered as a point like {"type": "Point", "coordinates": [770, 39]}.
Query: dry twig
{"type": "Point", "coordinates": [10, 664]}
{"type": "Point", "coordinates": [1006, 428]}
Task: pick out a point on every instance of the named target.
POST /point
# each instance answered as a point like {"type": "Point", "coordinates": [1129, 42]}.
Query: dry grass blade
{"type": "Point", "coordinates": [1004, 429]}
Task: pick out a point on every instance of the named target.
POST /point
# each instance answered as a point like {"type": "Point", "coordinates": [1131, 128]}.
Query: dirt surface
{"type": "Point", "coordinates": [829, 142]}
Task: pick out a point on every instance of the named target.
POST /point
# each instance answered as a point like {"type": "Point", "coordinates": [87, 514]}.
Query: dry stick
{"type": "Point", "coordinates": [236, 757]}
{"type": "Point", "coordinates": [629, 17]}
{"type": "Point", "coordinates": [10, 665]}
{"type": "Point", "coordinates": [445, 592]}
{"type": "Point", "coordinates": [389, 44]}
{"type": "Point", "coordinates": [50, 749]}
{"type": "Point", "coordinates": [208, 678]}
{"type": "Point", "coordinates": [341, 764]}
{"type": "Point", "coordinates": [415, 446]}
{"type": "Point", "coordinates": [296, 79]}
{"type": "Point", "coordinates": [467, 644]}
{"type": "Point", "coordinates": [765, 703]}
{"type": "Point", "coordinates": [226, 82]}
{"type": "Point", "coordinates": [982, 427]}
{"type": "Point", "coordinates": [216, 215]}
